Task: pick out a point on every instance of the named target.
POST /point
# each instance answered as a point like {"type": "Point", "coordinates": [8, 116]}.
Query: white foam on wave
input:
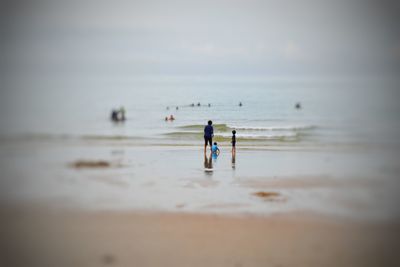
{"type": "Point", "coordinates": [273, 128]}
{"type": "Point", "coordinates": [258, 135]}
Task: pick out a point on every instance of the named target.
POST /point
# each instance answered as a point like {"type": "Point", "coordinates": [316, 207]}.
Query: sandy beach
{"type": "Point", "coordinates": [73, 203]}
{"type": "Point", "coordinates": [134, 208]}
{"type": "Point", "coordinates": [103, 114]}
{"type": "Point", "coordinates": [46, 237]}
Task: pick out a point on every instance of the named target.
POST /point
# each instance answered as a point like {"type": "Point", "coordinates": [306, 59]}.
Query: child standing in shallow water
{"type": "Point", "coordinates": [233, 142]}
{"type": "Point", "coordinates": [215, 149]}
{"type": "Point", "coordinates": [208, 135]}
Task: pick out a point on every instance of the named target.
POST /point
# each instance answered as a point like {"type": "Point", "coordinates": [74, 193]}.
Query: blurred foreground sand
{"type": "Point", "coordinates": [42, 237]}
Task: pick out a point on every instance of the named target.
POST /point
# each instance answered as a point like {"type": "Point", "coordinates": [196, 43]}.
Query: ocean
{"type": "Point", "coordinates": [333, 112]}
{"type": "Point", "coordinates": [338, 151]}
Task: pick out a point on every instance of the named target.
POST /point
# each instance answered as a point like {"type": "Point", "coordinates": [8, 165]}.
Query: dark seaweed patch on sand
{"type": "Point", "coordinates": [108, 259]}
{"type": "Point", "coordinates": [90, 164]}
{"type": "Point", "coordinates": [269, 196]}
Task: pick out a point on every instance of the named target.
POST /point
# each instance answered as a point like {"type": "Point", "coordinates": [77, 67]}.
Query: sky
{"type": "Point", "coordinates": [236, 37]}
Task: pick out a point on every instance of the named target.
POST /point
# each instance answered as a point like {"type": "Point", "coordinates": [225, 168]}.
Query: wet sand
{"type": "Point", "coordinates": [44, 237]}
{"type": "Point", "coordinates": [91, 197]}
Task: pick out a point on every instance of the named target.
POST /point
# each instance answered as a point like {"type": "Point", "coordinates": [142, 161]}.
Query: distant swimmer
{"type": "Point", "coordinates": [122, 112]}
{"type": "Point", "coordinates": [198, 104]}
{"type": "Point", "coordinates": [209, 105]}
{"type": "Point", "coordinates": [118, 115]}
{"type": "Point", "coordinates": [298, 105]}
{"type": "Point", "coordinates": [192, 105]}
{"type": "Point", "coordinates": [167, 108]}
{"type": "Point", "coordinates": [240, 104]}
{"type": "Point", "coordinates": [170, 118]}
{"type": "Point", "coordinates": [177, 108]}
{"type": "Point", "coordinates": [114, 115]}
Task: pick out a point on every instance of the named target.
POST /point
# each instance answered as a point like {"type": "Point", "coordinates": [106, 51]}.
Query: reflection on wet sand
{"type": "Point", "coordinates": [208, 166]}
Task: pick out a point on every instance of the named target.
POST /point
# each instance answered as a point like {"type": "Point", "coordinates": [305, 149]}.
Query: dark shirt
{"type": "Point", "coordinates": [208, 131]}
{"type": "Point", "coordinates": [233, 139]}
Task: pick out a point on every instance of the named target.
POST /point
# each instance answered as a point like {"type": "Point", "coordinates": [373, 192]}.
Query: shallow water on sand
{"type": "Point", "coordinates": [137, 177]}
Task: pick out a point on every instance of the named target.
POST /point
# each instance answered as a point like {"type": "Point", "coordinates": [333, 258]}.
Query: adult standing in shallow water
{"type": "Point", "coordinates": [208, 135]}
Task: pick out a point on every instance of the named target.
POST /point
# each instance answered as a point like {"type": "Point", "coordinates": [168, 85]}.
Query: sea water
{"type": "Point", "coordinates": [346, 130]}
{"type": "Point", "coordinates": [333, 111]}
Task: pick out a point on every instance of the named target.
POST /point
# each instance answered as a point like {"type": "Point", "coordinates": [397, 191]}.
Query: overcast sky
{"type": "Point", "coordinates": [236, 37]}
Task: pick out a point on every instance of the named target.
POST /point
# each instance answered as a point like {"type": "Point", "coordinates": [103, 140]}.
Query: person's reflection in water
{"type": "Point", "coordinates": [233, 160]}
{"type": "Point", "coordinates": [208, 166]}
{"type": "Point", "coordinates": [214, 156]}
